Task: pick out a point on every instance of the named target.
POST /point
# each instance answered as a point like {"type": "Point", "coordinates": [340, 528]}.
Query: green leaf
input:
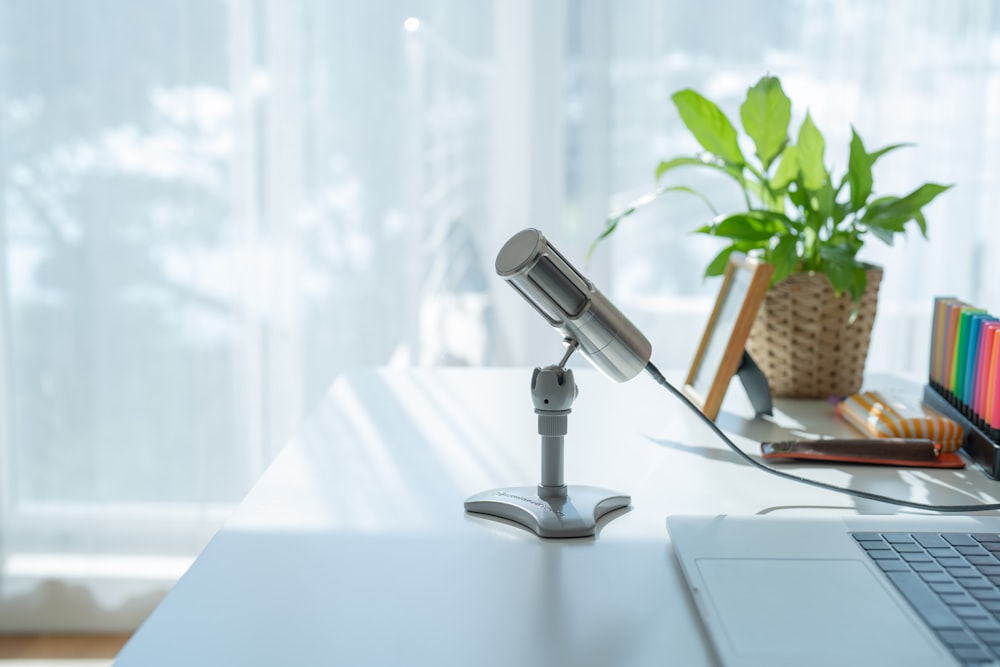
{"type": "Point", "coordinates": [882, 151]}
{"type": "Point", "coordinates": [766, 114]}
{"type": "Point", "coordinates": [811, 146]}
{"type": "Point", "coordinates": [888, 215]}
{"type": "Point", "coordinates": [751, 226]}
{"type": "Point", "coordinates": [921, 223]}
{"type": "Point", "coordinates": [892, 223]}
{"type": "Point", "coordinates": [818, 204]}
{"type": "Point", "coordinates": [798, 196]}
{"type": "Point", "coordinates": [779, 221]}
{"type": "Point", "coordinates": [857, 290]}
{"type": "Point", "coordinates": [880, 203]}
{"type": "Point", "coordinates": [809, 256]}
{"type": "Point", "coordinates": [825, 201]}
{"type": "Point", "coordinates": [840, 212]}
{"type": "Point", "coordinates": [709, 126]}
{"type": "Point", "coordinates": [882, 234]}
{"type": "Point", "coordinates": [838, 265]}
{"type": "Point", "coordinates": [911, 204]}
{"type": "Point", "coordinates": [788, 168]}
{"type": "Point", "coordinates": [739, 228]}
{"type": "Point", "coordinates": [677, 188]}
{"type": "Point", "coordinates": [784, 256]}
{"type": "Point", "coordinates": [609, 228]}
{"type": "Point", "coordinates": [859, 172]}
{"type": "Point", "coordinates": [704, 160]}
{"type": "Point", "coordinates": [612, 223]}
{"type": "Point", "coordinates": [718, 265]}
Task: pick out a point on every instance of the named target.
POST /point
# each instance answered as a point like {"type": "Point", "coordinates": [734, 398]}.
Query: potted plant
{"type": "Point", "coordinates": [811, 335]}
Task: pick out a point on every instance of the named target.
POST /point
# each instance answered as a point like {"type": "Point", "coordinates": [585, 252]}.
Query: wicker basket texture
{"type": "Point", "coordinates": [803, 339]}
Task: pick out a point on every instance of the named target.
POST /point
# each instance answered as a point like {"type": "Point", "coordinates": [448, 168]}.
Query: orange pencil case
{"type": "Point", "coordinates": [882, 415]}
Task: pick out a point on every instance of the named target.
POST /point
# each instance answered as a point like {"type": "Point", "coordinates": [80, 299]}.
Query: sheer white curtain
{"type": "Point", "coordinates": [210, 209]}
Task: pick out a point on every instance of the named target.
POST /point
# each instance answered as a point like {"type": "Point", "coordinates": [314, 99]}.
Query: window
{"type": "Point", "coordinates": [210, 209]}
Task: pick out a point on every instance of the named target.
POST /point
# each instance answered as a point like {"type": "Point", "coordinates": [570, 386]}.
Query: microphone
{"type": "Point", "coordinates": [571, 304]}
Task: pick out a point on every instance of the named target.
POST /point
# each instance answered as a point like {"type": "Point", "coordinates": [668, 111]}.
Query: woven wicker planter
{"type": "Point", "coordinates": [803, 341]}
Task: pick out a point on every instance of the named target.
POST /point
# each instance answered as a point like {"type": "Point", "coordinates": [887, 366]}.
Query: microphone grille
{"type": "Point", "coordinates": [519, 252]}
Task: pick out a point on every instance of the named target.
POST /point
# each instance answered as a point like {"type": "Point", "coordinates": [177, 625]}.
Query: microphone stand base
{"type": "Point", "coordinates": [574, 515]}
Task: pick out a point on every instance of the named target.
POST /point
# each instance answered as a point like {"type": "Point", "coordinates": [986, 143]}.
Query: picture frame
{"type": "Point", "coordinates": [723, 344]}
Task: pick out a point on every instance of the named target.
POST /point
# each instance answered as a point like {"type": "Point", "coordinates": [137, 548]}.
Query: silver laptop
{"type": "Point", "coordinates": [859, 590]}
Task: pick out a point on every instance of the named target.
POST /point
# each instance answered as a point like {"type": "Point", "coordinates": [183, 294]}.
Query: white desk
{"type": "Point", "coordinates": [354, 548]}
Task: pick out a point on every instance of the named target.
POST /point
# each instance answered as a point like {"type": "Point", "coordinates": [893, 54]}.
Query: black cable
{"type": "Point", "coordinates": [795, 478]}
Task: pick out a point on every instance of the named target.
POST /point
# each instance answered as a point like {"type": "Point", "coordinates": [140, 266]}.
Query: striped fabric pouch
{"type": "Point", "coordinates": [881, 415]}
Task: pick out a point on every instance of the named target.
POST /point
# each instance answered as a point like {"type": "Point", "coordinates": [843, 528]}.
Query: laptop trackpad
{"type": "Point", "coordinates": [809, 612]}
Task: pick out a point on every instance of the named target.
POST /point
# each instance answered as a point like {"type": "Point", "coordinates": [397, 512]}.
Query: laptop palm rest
{"type": "Point", "coordinates": [777, 611]}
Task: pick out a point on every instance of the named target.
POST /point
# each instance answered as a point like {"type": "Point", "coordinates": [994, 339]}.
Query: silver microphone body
{"type": "Point", "coordinates": [571, 304]}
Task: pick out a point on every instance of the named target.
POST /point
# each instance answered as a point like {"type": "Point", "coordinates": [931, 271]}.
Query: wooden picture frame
{"type": "Point", "coordinates": [722, 345]}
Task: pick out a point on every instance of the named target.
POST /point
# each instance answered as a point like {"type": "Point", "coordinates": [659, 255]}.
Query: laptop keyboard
{"type": "Point", "coordinates": [952, 580]}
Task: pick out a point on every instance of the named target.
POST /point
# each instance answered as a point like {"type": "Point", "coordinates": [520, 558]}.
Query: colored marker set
{"type": "Point", "coordinates": [965, 358]}
{"type": "Point", "coordinates": [964, 379]}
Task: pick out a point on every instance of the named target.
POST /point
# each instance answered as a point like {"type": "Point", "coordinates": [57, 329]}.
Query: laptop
{"type": "Point", "coordinates": [853, 590]}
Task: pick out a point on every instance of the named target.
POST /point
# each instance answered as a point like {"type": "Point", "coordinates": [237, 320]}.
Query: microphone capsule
{"type": "Point", "coordinates": [573, 305]}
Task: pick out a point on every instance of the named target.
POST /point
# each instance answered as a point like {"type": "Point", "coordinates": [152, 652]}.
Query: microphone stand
{"type": "Point", "coordinates": [552, 509]}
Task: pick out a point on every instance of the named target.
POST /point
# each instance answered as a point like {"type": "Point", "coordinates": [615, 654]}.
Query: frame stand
{"type": "Point", "coordinates": [755, 383]}
{"type": "Point", "coordinates": [552, 509]}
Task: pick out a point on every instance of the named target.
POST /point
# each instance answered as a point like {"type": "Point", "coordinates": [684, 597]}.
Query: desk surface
{"type": "Point", "coordinates": [354, 548]}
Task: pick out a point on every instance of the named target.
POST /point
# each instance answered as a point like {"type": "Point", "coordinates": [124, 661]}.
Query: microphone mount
{"type": "Point", "coordinates": [553, 508]}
